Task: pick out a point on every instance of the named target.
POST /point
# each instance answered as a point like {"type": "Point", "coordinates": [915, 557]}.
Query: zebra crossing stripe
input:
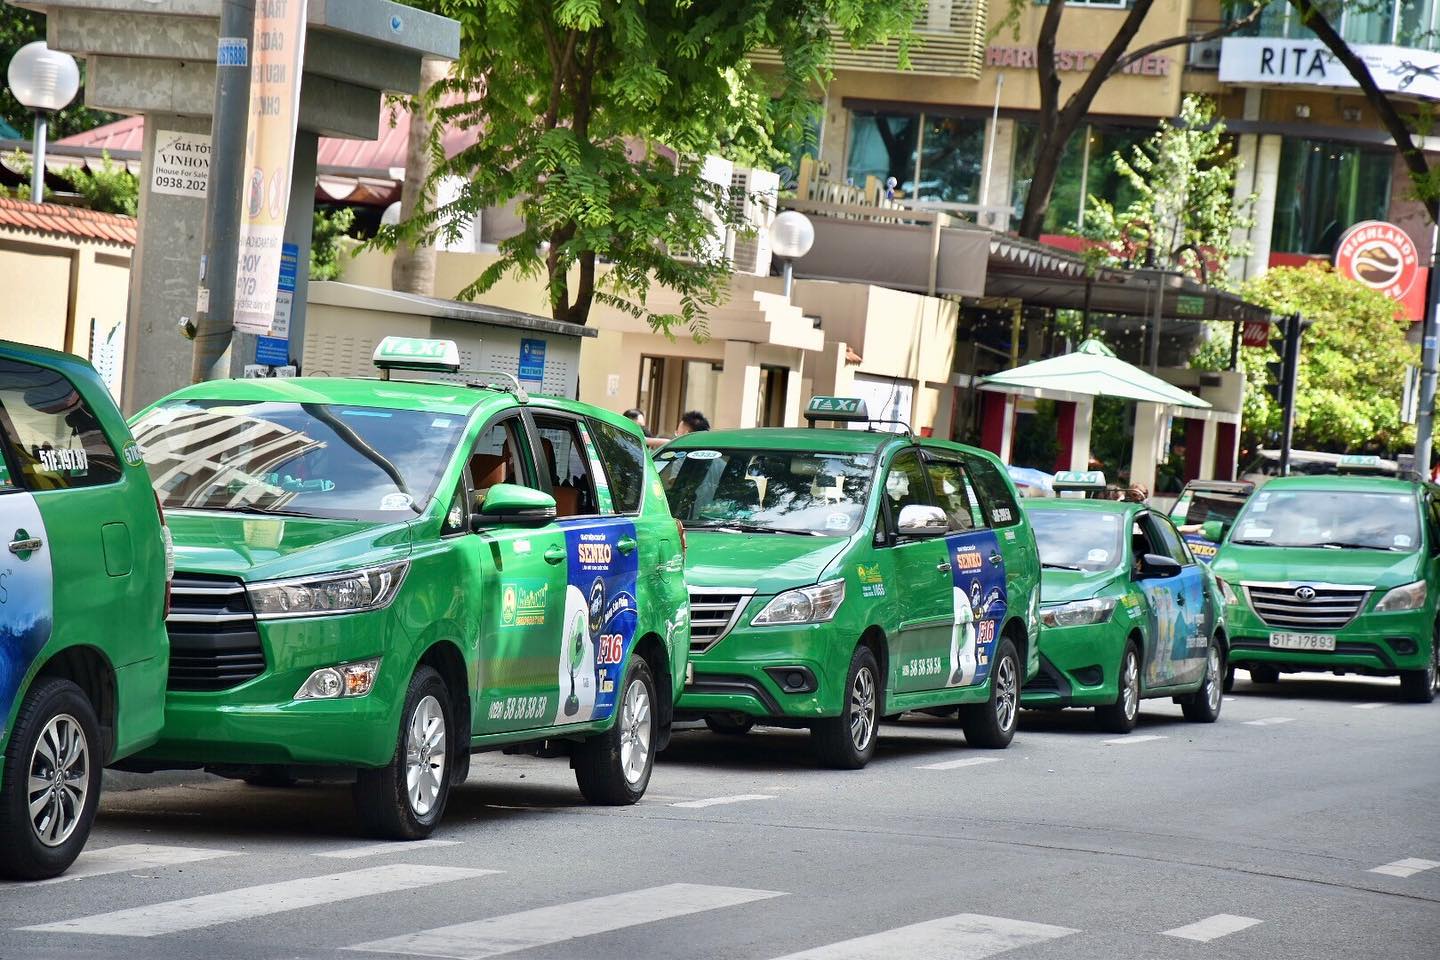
{"type": "Point", "coordinates": [375, 849]}
{"type": "Point", "coordinates": [1267, 722]}
{"type": "Point", "coordinates": [956, 764]}
{"type": "Point", "coordinates": [174, 916]}
{"type": "Point", "coordinates": [528, 929]}
{"type": "Point", "coordinates": [1405, 868]}
{"type": "Point", "coordinates": [133, 856]}
{"type": "Point", "coordinates": [1213, 928]}
{"type": "Point", "coordinates": [1132, 739]}
{"type": "Point", "coordinates": [718, 801]}
{"type": "Point", "coordinates": [965, 936]}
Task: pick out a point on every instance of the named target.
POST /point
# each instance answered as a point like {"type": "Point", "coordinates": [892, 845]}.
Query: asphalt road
{"type": "Point", "coordinates": [1302, 825]}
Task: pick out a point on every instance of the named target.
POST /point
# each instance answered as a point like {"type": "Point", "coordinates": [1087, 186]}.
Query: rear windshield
{"type": "Point", "coordinates": [310, 459]}
{"type": "Point", "coordinates": [1078, 539]}
{"type": "Point", "coordinates": [780, 491]}
{"type": "Point", "coordinates": [1201, 506]}
{"type": "Point", "coordinates": [1334, 519]}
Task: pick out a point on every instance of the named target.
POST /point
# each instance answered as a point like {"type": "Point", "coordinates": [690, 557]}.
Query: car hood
{"type": "Point", "coordinates": [1062, 586]}
{"type": "Point", "coordinates": [765, 562]}
{"type": "Point", "coordinates": [1370, 568]}
{"type": "Point", "coordinates": [264, 548]}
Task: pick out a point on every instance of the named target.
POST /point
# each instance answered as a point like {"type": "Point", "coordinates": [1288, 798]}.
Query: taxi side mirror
{"type": "Point", "coordinates": [511, 503]}
{"type": "Point", "coordinates": [1213, 530]}
{"type": "Point", "coordinates": [921, 521]}
{"type": "Point", "coordinates": [1153, 566]}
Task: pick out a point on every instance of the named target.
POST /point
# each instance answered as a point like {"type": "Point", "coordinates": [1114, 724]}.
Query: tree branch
{"type": "Point", "coordinates": [1080, 100]}
{"type": "Point", "coordinates": [1045, 67]}
{"type": "Point", "coordinates": [1224, 30]}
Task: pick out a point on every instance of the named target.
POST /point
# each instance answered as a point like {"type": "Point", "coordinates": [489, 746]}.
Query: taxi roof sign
{"type": "Point", "coordinates": [417, 353]}
{"type": "Point", "coordinates": [837, 408]}
{"type": "Point", "coordinates": [1079, 480]}
{"type": "Point", "coordinates": [1359, 463]}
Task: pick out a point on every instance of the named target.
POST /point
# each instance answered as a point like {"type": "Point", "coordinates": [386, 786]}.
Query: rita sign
{"type": "Point", "coordinates": [1381, 256]}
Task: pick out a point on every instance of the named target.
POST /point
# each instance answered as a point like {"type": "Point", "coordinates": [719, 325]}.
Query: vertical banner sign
{"type": "Point", "coordinates": [277, 53]}
{"type": "Point", "coordinates": [532, 363]}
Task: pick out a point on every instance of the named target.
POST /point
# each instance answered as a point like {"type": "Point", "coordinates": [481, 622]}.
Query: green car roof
{"type": "Point", "coordinates": [1358, 483]}
{"type": "Point", "coordinates": [1122, 507]}
{"type": "Point", "coordinates": [389, 394]}
{"type": "Point", "coordinates": [826, 439]}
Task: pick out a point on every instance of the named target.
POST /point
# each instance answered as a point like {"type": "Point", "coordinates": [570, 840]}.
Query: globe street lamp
{"type": "Point", "coordinates": [791, 237]}
{"type": "Point", "coordinates": [45, 81]}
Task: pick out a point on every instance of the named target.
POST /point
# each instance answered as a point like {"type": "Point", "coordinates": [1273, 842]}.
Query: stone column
{"type": "Point", "coordinates": [1149, 422]}
{"type": "Point", "coordinates": [736, 405]}
{"type": "Point", "coordinates": [1080, 440]}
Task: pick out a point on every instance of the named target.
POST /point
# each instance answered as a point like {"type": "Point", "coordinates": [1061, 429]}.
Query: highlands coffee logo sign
{"type": "Point", "coordinates": [1379, 255]}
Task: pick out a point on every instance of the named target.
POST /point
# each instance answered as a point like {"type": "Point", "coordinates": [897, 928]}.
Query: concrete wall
{"type": "Point", "coordinates": [59, 290]}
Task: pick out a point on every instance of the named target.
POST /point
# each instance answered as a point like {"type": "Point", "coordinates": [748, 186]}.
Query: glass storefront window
{"type": "Point", "coordinates": [952, 159]}
{"type": "Point", "coordinates": [1324, 188]}
{"type": "Point", "coordinates": [1083, 172]}
{"type": "Point", "coordinates": [883, 145]}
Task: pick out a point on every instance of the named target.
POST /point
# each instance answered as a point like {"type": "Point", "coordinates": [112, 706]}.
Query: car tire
{"type": "Point", "coordinates": [729, 725]}
{"type": "Point", "coordinates": [991, 725]}
{"type": "Point", "coordinates": [613, 768]}
{"type": "Point", "coordinates": [1203, 706]}
{"type": "Point", "coordinates": [1229, 678]}
{"type": "Point", "coordinates": [1263, 674]}
{"type": "Point", "coordinates": [1120, 716]}
{"type": "Point", "coordinates": [847, 742]}
{"type": "Point", "coordinates": [388, 806]}
{"type": "Point", "coordinates": [1420, 686]}
{"type": "Point", "coordinates": [56, 737]}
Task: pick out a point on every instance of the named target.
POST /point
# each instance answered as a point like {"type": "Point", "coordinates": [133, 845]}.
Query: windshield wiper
{"type": "Point", "coordinates": [1063, 566]}
{"type": "Point", "coordinates": [1351, 545]}
{"type": "Point", "coordinates": [1255, 543]}
{"type": "Point", "coordinates": [258, 511]}
{"type": "Point", "coordinates": [739, 526]}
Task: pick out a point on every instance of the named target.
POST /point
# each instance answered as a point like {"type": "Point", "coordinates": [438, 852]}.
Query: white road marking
{"type": "Point", "coordinates": [133, 856]}
{"type": "Point", "coordinates": [376, 849]}
{"type": "Point", "coordinates": [528, 929]}
{"type": "Point", "coordinates": [1405, 868]}
{"type": "Point", "coordinates": [174, 916]}
{"type": "Point", "coordinates": [953, 764]}
{"type": "Point", "coordinates": [1266, 722]}
{"type": "Point", "coordinates": [965, 936]}
{"type": "Point", "coordinates": [717, 801]}
{"type": "Point", "coordinates": [1134, 739]}
{"type": "Point", "coordinates": [1213, 928]}
{"type": "Point", "coordinates": [1370, 706]}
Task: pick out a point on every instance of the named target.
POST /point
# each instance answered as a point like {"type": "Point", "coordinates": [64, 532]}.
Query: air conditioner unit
{"type": "Point", "coordinates": [753, 196]}
{"type": "Point", "coordinates": [719, 243]}
{"type": "Point", "coordinates": [1204, 55]}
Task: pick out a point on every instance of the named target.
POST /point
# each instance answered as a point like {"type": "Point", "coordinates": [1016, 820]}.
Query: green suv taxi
{"type": "Point", "coordinates": [838, 576]}
{"type": "Point", "coordinates": [386, 575]}
{"type": "Point", "coordinates": [1127, 612]}
{"type": "Point", "coordinates": [82, 604]}
{"type": "Point", "coordinates": [1339, 574]}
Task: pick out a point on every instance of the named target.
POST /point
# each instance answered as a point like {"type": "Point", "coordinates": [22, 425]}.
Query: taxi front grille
{"type": "Point", "coordinates": [214, 644]}
{"type": "Point", "coordinates": [1304, 606]}
{"type": "Point", "coordinates": [713, 612]}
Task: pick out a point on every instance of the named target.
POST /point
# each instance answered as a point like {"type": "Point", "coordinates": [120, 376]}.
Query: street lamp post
{"type": "Point", "coordinates": [44, 81]}
{"type": "Point", "coordinates": [791, 237]}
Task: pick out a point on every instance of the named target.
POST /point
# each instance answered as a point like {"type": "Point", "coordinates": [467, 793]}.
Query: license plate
{"type": "Point", "coordinates": [1302, 641]}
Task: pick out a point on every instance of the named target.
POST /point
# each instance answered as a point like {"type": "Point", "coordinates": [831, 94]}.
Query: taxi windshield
{"type": "Point", "coordinates": [1077, 539]}
{"type": "Point", "coordinates": [334, 461]}
{"type": "Point", "coordinates": [1334, 519]}
{"type": "Point", "coordinates": [767, 491]}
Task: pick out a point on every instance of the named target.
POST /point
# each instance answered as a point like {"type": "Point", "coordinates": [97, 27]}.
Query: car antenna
{"type": "Point", "coordinates": [494, 380]}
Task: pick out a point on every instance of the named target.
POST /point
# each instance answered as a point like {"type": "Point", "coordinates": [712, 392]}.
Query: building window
{"type": "Point", "coordinates": [883, 145]}
{"type": "Point", "coordinates": [1323, 189]}
{"type": "Point", "coordinates": [1406, 23]}
{"type": "Point", "coordinates": [945, 155]}
{"type": "Point", "coordinates": [1087, 169]}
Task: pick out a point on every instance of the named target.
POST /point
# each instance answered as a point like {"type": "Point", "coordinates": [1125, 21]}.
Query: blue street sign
{"type": "Point", "coordinates": [532, 361]}
{"type": "Point", "coordinates": [272, 351]}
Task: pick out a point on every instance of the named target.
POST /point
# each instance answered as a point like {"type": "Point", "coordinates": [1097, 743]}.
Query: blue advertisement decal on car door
{"type": "Point", "coordinates": [977, 572]}
{"type": "Point", "coordinates": [1177, 625]}
{"type": "Point", "coordinates": [26, 595]}
{"type": "Point", "coordinates": [1203, 549]}
{"type": "Point", "coordinates": [600, 616]}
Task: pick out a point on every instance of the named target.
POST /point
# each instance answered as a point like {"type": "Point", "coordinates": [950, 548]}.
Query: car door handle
{"type": "Point", "coordinates": [555, 553]}
{"type": "Point", "coordinates": [26, 545]}
{"type": "Point", "coordinates": [943, 567]}
{"type": "Point", "coordinates": [626, 544]}
{"type": "Point", "coordinates": [996, 559]}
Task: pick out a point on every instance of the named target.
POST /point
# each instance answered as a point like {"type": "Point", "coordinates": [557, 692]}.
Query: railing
{"type": "Point", "coordinates": [848, 201]}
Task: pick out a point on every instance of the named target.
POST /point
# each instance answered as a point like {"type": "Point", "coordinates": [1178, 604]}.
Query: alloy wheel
{"type": "Point", "coordinates": [1006, 690]}
{"type": "Point", "coordinates": [1131, 680]}
{"type": "Point", "coordinates": [425, 755]}
{"type": "Point", "coordinates": [862, 709]}
{"type": "Point", "coordinates": [59, 782]}
{"type": "Point", "coordinates": [1212, 680]}
{"type": "Point", "coordinates": [636, 726]}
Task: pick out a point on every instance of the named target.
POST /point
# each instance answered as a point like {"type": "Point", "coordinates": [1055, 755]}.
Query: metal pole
{"type": "Point", "coordinates": [1235, 344]}
{"type": "Point", "coordinates": [1429, 362]}
{"type": "Point", "coordinates": [1155, 327]}
{"type": "Point", "coordinates": [1291, 373]}
{"type": "Point", "coordinates": [789, 276]}
{"type": "Point", "coordinates": [214, 316]}
{"type": "Point", "coordinates": [37, 175]}
{"type": "Point", "coordinates": [990, 144]}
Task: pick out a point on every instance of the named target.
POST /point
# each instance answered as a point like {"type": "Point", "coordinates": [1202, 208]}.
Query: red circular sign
{"type": "Point", "coordinates": [1379, 255]}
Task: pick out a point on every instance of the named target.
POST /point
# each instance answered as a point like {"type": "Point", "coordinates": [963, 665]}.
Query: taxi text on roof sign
{"type": "Point", "coordinates": [836, 408]}
{"type": "Point", "coordinates": [1358, 463]}
{"type": "Point", "coordinates": [416, 353]}
{"type": "Point", "coordinates": [1079, 480]}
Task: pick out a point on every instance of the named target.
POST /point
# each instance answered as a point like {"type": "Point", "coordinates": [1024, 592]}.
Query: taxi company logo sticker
{"type": "Point", "coordinates": [131, 453]}
{"type": "Point", "coordinates": [523, 605]}
{"type": "Point", "coordinates": [704, 454]}
{"type": "Point", "coordinates": [872, 582]}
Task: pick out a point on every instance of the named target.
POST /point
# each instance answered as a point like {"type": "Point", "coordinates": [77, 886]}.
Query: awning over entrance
{"type": "Point", "coordinates": [1092, 370]}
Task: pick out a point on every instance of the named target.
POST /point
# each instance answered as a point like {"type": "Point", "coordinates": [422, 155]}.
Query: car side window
{"type": "Point", "coordinates": [997, 497]}
{"type": "Point", "coordinates": [498, 457]}
{"type": "Point", "coordinates": [950, 483]}
{"type": "Point", "coordinates": [1165, 533]}
{"type": "Point", "coordinates": [571, 482]}
{"type": "Point", "coordinates": [622, 454]}
{"type": "Point", "coordinates": [905, 485]}
{"type": "Point", "coordinates": [54, 436]}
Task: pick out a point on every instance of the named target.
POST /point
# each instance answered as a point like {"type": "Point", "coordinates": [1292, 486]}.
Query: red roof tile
{"type": "Point", "coordinates": [59, 220]}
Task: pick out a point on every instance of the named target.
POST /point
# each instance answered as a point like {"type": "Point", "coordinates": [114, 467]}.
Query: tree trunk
{"type": "Point", "coordinates": [413, 269]}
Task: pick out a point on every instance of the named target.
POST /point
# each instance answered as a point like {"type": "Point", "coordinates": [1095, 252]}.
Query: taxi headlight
{"type": "Point", "coordinates": [815, 604]}
{"type": "Point", "coordinates": [1410, 596]}
{"type": "Point", "coordinates": [352, 592]}
{"type": "Point", "coordinates": [1078, 613]}
{"type": "Point", "coordinates": [1226, 593]}
{"type": "Point", "coordinates": [344, 680]}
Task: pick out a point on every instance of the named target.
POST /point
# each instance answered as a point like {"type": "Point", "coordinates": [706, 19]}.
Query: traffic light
{"type": "Point", "coordinates": [1276, 368]}
{"type": "Point", "coordinates": [1285, 376]}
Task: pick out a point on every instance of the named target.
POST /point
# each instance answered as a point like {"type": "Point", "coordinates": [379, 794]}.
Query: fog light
{"type": "Point", "coordinates": [345, 680]}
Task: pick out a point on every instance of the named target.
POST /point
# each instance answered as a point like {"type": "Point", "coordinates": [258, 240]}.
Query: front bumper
{"type": "Point", "coordinates": [1078, 666]}
{"type": "Point", "coordinates": [751, 671]}
{"type": "Point", "coordinates": [1376, 644]}
{"type": "Point", "coordinates": [259, 722]}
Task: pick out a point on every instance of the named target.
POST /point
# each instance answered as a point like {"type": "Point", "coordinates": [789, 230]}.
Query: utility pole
{"type": "Point", "coordinates": [215, 310]}
{"type": "Point", "coordinates": [1429, 362]}
{"type": "Point", "coordinates": [1286, 373]}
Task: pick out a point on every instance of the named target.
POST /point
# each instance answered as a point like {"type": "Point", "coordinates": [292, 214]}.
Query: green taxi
{"type": "Point", "coordinates": [1127, 612]}
{"type": "Point", "coordinates": [841, 576]}
{"type": "Point", "coordinates": [82, 604]}
{"type": "Point", "coordinates": [1339, 574]}
{"type": "Point", "coordinates": [383, 576]}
